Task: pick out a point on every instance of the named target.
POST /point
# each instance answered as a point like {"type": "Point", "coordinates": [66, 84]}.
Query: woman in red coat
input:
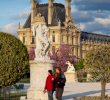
{"type": "Point", "coordinates": [49, 85]}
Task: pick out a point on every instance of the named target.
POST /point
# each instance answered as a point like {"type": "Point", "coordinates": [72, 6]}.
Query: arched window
{"type": "Point", "coordinates": [24, 38]}
{"type": "Point", "coordinates": [53, 37]}
{"type": "Point", "coordinates": [33, 40]}
{"type": "Point", "coordinates": [35, 32]}
{"type": "Point", "coordinates": [23, 33]}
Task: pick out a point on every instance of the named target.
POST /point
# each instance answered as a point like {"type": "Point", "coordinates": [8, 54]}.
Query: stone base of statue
{"type": "Point", "coordinates": [71, 77]}
{"type": "Point", "coordinates": [38, 73]}
{"type": "Point", "coordinates": [89, 77]}
{"type": "Point", "coordinates": [36, 95]}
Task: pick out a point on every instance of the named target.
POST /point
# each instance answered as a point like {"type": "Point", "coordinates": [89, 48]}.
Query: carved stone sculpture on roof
{"type": "Point", "coordinates": [69, 22]}
{"type": "Point", "coordinates": [59, 23]}
{"type": "Point", "coordinates": [69, 27]}
{"type": "Point", "coordinates": [78, 28]}
{"type": "Point", "coordinates": [39, 18]}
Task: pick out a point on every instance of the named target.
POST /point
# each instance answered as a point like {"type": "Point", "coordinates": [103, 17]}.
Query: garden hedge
{"type": "Point", "coordinates": [14, 60]}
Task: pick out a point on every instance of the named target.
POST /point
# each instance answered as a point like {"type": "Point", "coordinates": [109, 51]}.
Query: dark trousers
{"type": "Point", "coordinates": [50, 95]}
{"type": "Point", "coordinates": [59, 93]}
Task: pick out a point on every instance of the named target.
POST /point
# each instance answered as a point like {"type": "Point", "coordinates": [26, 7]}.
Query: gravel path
{"type": "Point", "coordinates": [83, 89]}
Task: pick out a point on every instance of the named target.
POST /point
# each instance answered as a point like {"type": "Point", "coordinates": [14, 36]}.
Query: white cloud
{"type": "Point", "coordinates": [92, 21]}
{"type": "Point", "coordinates": [103, 21]}
{"type": "Point", "coordinates": [22, 15]}
{"type": "Point", "coordinates": [97, 32]}
{"type": "Point", "coordinates": [9, 28]}
{"type": "Point", "coordinates": [82, 26]}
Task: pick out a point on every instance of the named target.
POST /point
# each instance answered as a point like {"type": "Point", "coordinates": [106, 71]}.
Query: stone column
{"type": "Point", "coordinates": [38, 72]}
{"type": "Point", "coordinates": [68, 9]}
{"type": "Point", "coordinates": [50, 11]}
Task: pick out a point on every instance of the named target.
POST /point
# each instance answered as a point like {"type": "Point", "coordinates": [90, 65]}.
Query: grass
{"type": "Point", "coordinates": [25, 80]}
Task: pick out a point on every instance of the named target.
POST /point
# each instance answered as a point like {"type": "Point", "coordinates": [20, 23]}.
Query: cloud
{"type": "Point", "coordinates": [97, 26]}
{"type": "Point", "coordinates": [22, 15]}
{"type": "Point", "coordinates": [104, 22]}
{"type": "Point", "coordinates": [92, 15]}
{"type": "Point", "coordinates": [82, 26]}
{"type": "Point", "coordinates": [87, 16]}
{"type": "Point", "coordinates": [92, 21]}
{"type": "Point", "coordinates": [9, 28]}
{"type": "Point", "coordinates": [92, 4]}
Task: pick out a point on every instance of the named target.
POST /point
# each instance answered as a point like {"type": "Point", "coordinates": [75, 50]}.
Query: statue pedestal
{"type": "Point", "coordinates": [89, 77]}
{"type": "Point", "coordinates": [71, 77]}
{"type": "Point", "coordinates": [38, 74]}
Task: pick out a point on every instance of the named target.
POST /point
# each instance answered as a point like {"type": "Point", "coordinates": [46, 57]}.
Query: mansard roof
{"type": "Point", "coordinates": [28, 22]}
{"type": "Point", "coordinates": [58, 14]}
{"type": "Point", "coordinates": [94, 37]}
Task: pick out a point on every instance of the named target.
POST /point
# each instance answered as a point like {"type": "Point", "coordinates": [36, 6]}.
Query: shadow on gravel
{"type": "Point", "coordinates": [70, 96]}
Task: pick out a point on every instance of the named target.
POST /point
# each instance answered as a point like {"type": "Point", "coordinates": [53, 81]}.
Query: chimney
{"type": "Point", "coordinates": [50, 10]}
{"type": "Point", "coordinates": [33, 10]}
{"type": "Point", "coordinates": [68, 8]}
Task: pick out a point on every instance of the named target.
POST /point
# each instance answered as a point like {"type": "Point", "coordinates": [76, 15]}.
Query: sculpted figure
{"type": "Point", "coordinates": [70, 67]}
{"type": "Point", "coordinates": [40, 32]}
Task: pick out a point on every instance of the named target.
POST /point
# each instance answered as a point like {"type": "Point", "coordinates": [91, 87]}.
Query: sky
{"type": "Point", "coordinates": [92, 15]}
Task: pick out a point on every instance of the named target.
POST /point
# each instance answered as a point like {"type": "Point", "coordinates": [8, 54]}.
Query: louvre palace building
{"type": "Point", "coordinates": [60, 23]}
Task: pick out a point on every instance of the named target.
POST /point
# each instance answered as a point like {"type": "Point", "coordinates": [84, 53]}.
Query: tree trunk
{"type": "Point", "coordinates": [103, 88]}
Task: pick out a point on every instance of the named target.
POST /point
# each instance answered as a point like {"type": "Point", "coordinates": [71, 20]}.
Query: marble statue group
{"type": "Point", "coordinates": [42, 41]}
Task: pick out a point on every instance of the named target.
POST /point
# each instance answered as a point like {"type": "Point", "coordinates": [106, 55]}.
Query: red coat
{"type": "Point", "coordinates": [49, 86]}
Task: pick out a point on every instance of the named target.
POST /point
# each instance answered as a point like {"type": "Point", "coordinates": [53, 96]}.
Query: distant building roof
{"type": "Point", "coordinates": [58, 14]}
{"type": "Point", "coordinates": [94, 37]}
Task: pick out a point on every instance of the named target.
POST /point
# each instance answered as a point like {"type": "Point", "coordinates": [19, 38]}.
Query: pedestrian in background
{"type": "Point", "coordinates": [60, 81]}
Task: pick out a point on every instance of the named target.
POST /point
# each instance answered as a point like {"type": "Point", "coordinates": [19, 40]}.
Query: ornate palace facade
{"type": "Point", "coordinates": [61, 27]}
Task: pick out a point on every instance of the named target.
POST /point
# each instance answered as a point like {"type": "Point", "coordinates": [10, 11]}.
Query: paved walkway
{"type": "Point", "coordinates": [83, 89]}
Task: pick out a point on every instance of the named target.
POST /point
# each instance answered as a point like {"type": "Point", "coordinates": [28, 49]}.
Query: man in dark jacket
{"type": "Point", "coordinates": [49, 85]}
{"type": "Point", "coordinates": [60, 83]}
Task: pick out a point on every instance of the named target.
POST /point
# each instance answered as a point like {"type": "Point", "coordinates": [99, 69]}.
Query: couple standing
{"type": "Point", "coordinates": [55, 83]}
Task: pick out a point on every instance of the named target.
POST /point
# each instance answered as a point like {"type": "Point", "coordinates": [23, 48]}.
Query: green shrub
{"type": "Point", "coordinates": [14, 61]}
